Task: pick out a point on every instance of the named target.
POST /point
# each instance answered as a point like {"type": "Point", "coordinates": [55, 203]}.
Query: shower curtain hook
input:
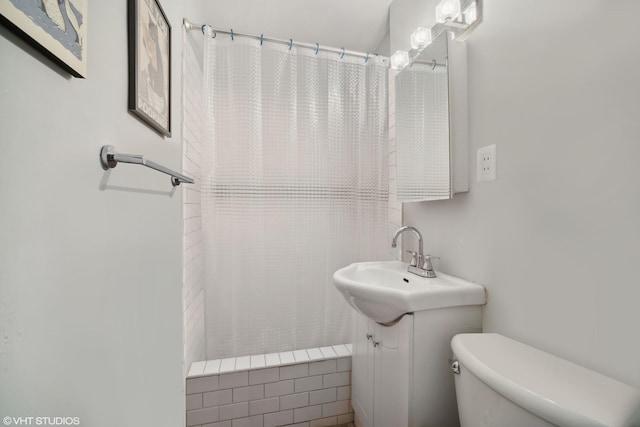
{"type": "Point", "coordinates": [433, 64]}
{"type": "Point", "coordinates": [366, 58]}
{"type": "Point", "coordinates": [232, 34]}
{"type": "Point", "coordinates": [317, 48]}
{"type": "Point", "coordinates": [209, 31]}
{"type": "Point", "coordinates": [290, 43]}
{"type": "Point", "coordinates": [261, 38]}
{"type": "Point", "coordinates": [342, 54]}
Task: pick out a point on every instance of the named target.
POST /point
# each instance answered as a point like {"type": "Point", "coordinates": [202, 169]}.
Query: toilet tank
{"type": "Point", "coordinates": [504, 383]}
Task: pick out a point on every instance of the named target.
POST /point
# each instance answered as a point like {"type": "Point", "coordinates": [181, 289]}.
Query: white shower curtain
{"type": "Point", "coordinates": [294, 187]}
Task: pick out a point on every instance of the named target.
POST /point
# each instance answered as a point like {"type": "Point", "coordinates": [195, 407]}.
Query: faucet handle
{"type": "Point", "coordinates": [427, 266]}
{"type": "Point", "coordinates": [414, 258]}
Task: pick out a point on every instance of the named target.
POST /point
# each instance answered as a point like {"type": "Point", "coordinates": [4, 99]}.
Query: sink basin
{"type": "Point", "coordinates": [384, 291]}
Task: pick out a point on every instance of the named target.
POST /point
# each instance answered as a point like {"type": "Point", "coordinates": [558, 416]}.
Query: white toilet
{"type": "Point", "coordinates": [504, 383]}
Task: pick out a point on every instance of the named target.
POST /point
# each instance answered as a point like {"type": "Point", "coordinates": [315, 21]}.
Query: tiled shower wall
{"type": "Point", "coordinates": [304, 388]}
{"type": "Point", "coordinates": [193, 126]}
{"type": "Point", "coordinates": [395, 207]}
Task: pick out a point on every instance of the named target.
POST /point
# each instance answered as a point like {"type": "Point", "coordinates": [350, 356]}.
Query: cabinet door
{"type": "Point", "coordinates": [393, 364]}
{"type": "Point", "coordinates": [362, 370]}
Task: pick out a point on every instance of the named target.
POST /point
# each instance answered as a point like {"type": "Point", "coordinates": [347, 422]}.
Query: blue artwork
{"type": "Point", "coordinates": [61, 19]}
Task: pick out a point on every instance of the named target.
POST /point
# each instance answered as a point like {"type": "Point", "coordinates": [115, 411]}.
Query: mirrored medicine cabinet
{"type": "Point", "coordinates": [431, 123]}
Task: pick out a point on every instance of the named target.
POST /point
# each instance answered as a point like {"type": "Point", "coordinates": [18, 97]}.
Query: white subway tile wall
{"type": "Point", "coordinates": [192, 134]}
{"type": "Point", "coordinates": [304, 387]}
{"type": "Point", "coordinates": [264, 406]}
{"type": "Point", "coordinates": [211, 367]}
{"type": "Point", "coordinates": [395, 207]}
{"type": "Point", "coordinates": [308, 383]}
{"type": "Point", "coordinates": [202, 384]}
{"type": "Point", "coordinates": [280, 388]}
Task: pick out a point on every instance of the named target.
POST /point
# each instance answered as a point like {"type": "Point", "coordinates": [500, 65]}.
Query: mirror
{"type": "Point", "coordinates": [427, 142]}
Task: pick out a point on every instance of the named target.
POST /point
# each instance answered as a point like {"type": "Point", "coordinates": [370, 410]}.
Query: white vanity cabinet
{"type": "Point", "coordinates": [382, 360]}
{"type": "Point", "coordinates": [401, 374]}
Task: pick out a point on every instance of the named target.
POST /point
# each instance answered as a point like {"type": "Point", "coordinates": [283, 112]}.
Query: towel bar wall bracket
{"type": "Point", "coordinates": [109, 159]}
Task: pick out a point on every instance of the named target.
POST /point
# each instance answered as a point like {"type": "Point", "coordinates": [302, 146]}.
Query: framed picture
{"type": "Point", "coordinates": [57, 28]}
{"type": "Point", "coordinates": [150, 64]}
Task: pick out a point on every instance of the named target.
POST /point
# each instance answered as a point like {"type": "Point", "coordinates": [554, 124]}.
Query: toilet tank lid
{"type": "Point", "coordinates": [554, 389]}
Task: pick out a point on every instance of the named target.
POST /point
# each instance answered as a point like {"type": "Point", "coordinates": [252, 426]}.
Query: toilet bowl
{"type": "Point", "coordinates": [504, 383]}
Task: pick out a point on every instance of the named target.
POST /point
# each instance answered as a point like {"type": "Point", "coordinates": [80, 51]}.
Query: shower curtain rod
{"type": "Point", "coordinates": [433, 64]}
{"type": "Point", "coordinates": [190, 26]}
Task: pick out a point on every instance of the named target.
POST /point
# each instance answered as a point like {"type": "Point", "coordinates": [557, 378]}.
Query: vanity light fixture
{"type": "Point", "coordinates": [447, 10]}
{"type": "Point", "coordinates": [470, 14]}
{"type": "Point", "coordinates": [420, 38]}
{"type": "Point", "coordinates": [399, 60]}
{"type": "Point", "coordinates": [450, 18]}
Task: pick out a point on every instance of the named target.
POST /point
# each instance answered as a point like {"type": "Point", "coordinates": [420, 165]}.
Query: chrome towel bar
{"type": "Point", "coordinates": [110, 159]}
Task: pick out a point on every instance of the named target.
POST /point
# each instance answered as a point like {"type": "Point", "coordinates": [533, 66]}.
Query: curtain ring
{"type": "Point", "coordinates": [290, 43]}
{"type": "Point", "coordinates": [366, 58]}
{"type": "Point", "coordinates": [317, 48]}
{"type": "Point", "coordinates": [433, 64]}
{"type": "Point", "coordinates": [232, 34]}
{"type": "Point", "coordinates": [342, 54]}
{"type": "Point", "coordinates": [261, 37]}
{"type": "Point", "coordinates": [213, 33]}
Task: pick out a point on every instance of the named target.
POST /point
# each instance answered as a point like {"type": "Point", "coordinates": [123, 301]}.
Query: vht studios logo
{"type": "Point", "coordinates": [41, 421]}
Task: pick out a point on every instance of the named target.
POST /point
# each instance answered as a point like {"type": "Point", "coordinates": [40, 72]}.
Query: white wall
{"type": "Point", "coordinates": [90, 261]}
{"type": "Point", "coordinates": [556, 238]}
{"type": "Point", "coordinates": [383, 47]}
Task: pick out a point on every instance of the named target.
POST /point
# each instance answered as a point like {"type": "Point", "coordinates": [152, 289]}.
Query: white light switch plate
{"type": "Point", "coordinates": [487, 163]}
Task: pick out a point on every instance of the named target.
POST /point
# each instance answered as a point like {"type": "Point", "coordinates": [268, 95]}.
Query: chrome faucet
{"type": "Point", "coordinates": [420, 263]}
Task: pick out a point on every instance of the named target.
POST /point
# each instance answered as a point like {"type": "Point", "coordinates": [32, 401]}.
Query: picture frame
{"type": "Point", "coordinates": [150, 64]}
{"type": "Point", "coordinates": [58, 29]}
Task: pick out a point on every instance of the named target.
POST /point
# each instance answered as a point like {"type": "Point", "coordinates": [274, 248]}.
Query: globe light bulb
{"type": "Point", "coordinates": [420, 38]}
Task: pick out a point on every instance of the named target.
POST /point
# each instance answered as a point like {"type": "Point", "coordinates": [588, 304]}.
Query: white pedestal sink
{"type": "Point", "coordinates": [384, 291]}
{"type": "Point", "coordinates": [401, 344]}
